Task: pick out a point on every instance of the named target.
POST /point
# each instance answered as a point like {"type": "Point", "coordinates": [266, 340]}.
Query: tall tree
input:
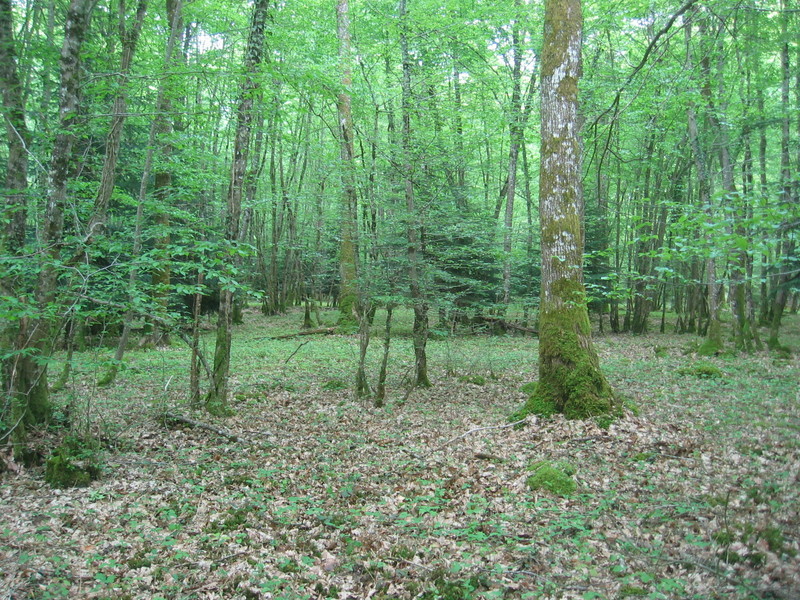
{"type": "Point", "coordinates": [216, 399]}
{"type": "Point", "coordinates": [418, 300]}
{"type": "Point", "coordinates": [570, 379]}
{"type": "Point", "coordinates": [14, 210]}
{"type": "Point", "coordinates": [36, 335]}
{"type": "Point", "coordinates": [787, 245]}
{"type": "Point", "coordinates": [348, 252]}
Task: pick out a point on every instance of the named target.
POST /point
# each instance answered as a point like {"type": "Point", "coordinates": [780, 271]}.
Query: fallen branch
{"type": "Point", "coordinates": [508, 324]}
{"type": "Point", "coordinates": [287, 336]}
{"type": "Point", "coordinates": [199, 425]}
{"type": "Point", "coordinates": [475, 430]}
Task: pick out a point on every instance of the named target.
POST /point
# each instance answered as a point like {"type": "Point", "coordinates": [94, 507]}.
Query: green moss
{"type": "Point", "coordinates": [710, 347]}
{"type": "Point", "coordinates": [631, 590]}
{"type": "Point", "coordinates": [473, 379]}
{"type": "Point", "coordinates": [605, 421]}
{"type": "Point", "coordinates": [73, 464]}
{"type": "Point", "coordinates": [551, 478]}
{"type": "Point", "coordinates": [528, 388]}
{"type": "Point", "coordinates": [701, 370]}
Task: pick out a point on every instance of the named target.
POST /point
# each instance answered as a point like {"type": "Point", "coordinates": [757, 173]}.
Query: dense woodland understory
{"type": "Point", "coordinates": [691, 493]}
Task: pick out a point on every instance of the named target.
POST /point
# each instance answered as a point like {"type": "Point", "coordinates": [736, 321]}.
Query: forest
{"type": "Point", "coordinates": [412, 299]}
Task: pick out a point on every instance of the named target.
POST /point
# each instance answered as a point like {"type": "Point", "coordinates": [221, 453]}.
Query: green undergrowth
{"type": "Point", "coordinates": [428, 497]}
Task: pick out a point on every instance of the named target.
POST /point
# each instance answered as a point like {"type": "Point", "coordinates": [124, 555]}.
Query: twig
{"type": "Point", "coordinates": [476, 429]}
{"type": "Point", "coordinates": [295, 352]}
{"type": "Point", "coordinates": [218, 430]}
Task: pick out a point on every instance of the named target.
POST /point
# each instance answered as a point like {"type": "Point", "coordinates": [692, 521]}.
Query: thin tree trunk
{"type": "Point", "coordinates": [786, 245]}
{"type": "Point", "coordinates": [129, 36]}
{"type": "Point", "coordinates": [36, 336]}
{"type": "Point", "coordinates": [174, 13]}
{"type": "Point", "coordinates": [420, 328]}
{"type": "Point", "coordinates": [217, 397]}
{"type": "Point", "coordinates": [515, 139]}
{"type": "Point", "coordinates": [348, 252]}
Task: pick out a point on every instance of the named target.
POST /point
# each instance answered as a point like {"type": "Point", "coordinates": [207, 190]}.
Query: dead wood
{"type": "Point", "coordinates": [323, 330]}
{"type": "Point", "coordinates": [170, 416]}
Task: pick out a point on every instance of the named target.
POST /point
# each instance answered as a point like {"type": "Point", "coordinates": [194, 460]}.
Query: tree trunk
{"type": "Point", "coordinates": [515, 139]}
{"type": "Point", "coordinates": [786, 246]}
{"type": "Point", "coordinates": [36, 336]}
{"type": "Point", "coordinates": [174, 15]}
{"type": "Point", "coordinates": [217, 397]}
{"type": "Point", "coordinates": [129, 36]}
{"type": "Point", "coordinates": [13, 219]}
{"type": "Point", "coordinates": [570, 379]}
{"type": "Point", "coordinates": [348, 253]}
{"type": "Point", "coordinates": [420, 329]}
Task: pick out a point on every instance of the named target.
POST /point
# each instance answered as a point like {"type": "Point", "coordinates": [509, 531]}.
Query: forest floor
{"type": "Point", "coordinates": [695, 495]}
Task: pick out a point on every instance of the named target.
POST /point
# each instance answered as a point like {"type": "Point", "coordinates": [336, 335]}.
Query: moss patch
{"type": "Point", "coordinates": [473, 379]}
{"type": "Point", "coordinates": [75, 463]}
{"type": "Point", "coordinates": [701, 370]}
{"type": "Point", "coordinates": [555, 478]}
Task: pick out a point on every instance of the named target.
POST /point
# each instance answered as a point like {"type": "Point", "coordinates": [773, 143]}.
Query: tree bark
{"type": "Point", "coordinates": [570, 379]}
{"type": "Point", "coordinates": [786, 246]}
{"type": "Point", "coordinates": [13, 215]}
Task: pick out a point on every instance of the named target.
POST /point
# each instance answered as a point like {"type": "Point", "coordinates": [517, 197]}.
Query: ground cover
{"type": "Point", "coordinates": [693, 495]}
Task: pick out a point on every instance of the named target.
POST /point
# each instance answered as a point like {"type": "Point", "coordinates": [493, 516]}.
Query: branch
{"type": "Point", "coordinates": [476, 429]}
{"type": "Point", "coordinates": [287, 336]}
{"type": "Point", "coordinates": [650, 47]}
{"type": "Point", "coordinates": [199, 425]}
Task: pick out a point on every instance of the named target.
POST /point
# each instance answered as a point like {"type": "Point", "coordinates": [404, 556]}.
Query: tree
{"type": "Point", "coordinates": [216, 399]}
{"type": "Point", "coordinates": [570, 379]}
{"type": "Point", "coordinates": [418, 300]}
{"type": "Point", "coordinates": [35, 337]}
{"type": "Point", "coordinates": [348, 251]}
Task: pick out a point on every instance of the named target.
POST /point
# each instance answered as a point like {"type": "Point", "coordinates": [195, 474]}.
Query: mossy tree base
{"type": "Point", "coordinates": [570, 380]}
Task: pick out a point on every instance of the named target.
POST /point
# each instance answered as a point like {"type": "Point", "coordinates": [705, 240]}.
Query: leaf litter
{"type": "Point", "coordinates": [693, 496]}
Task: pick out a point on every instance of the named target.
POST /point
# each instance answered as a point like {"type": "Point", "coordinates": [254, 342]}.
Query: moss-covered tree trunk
{"type": "Point", "coordinates": [36, 335]}
{"type": "Point", "coordinates": [13, 216]}
{"type": "Point", "coordinates": [570, 380]}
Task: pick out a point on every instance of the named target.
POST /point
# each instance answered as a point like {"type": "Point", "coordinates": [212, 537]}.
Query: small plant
{"type": "Point", "coordinates": [605, 421]}
{"type": "Point", "coordinates": [473, 379]}
{"type": "Point", "coordinates": [334, 384]}
{"type": "Point", "coordinates": [555, 478]}
{"type": "Point", "coordinates": [75, 463]}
